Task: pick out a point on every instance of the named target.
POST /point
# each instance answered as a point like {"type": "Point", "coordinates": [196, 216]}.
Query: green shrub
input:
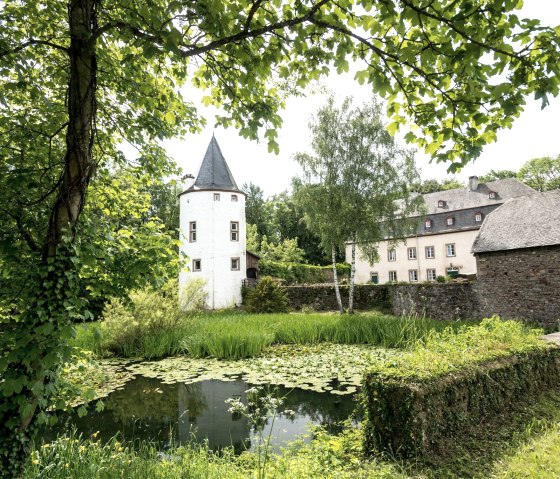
{"type": "Point", "coordinates": [267, 297]}
{"type": "Point", "coordinates": [193, 296]}
{"type": "Point", "coordinates": [440, 279]}
{"type": "Point", "coordinates": [151, 325]}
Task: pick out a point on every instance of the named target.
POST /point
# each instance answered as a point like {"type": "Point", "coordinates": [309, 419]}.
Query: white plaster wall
{"type": "Point", "coordinates": [464, 260]}
{"type": "Point", "coordinates": [213, 245]}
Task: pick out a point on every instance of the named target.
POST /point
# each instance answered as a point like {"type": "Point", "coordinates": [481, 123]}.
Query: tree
{"type": "Point", "coordinates": [79, 77]}
{"type": "Point", "coordinates": [494, 175]}
{"type": "Point", "coordinates": [355, 186]}
{"type": "Point", "coordinates": [542, 174]}
{"type": "Point", "coordinates": [432, 185]}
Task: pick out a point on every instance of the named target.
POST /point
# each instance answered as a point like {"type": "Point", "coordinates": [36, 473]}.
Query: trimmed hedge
{"type": "Point", "coordinates": [433, 392]}
{"type": "Point", "coordinates": [299, 273]}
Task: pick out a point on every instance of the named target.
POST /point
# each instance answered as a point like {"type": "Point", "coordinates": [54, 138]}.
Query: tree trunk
{"type": "Point", "coordinates": [352, 274]}
{"type": "Point", "coordinates": [335, 280]}
{"type": "Point", "coordinates": [78, 162]}
{"type": "Point", "coordinates": [35, 362]}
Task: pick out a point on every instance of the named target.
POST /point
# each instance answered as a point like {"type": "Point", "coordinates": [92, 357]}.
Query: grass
{"type": "Point", "coordinates": [232, 335]}
{"type": "Point", "coordinates": [523, 443]}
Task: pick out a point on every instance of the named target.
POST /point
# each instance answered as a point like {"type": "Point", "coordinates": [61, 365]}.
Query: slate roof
{"type": "Point", "coordinates": [462, 198]}
{"type": "Point", "coordinates": [214, 173]}
{"type": "Point", "coordinates": [523, 222]}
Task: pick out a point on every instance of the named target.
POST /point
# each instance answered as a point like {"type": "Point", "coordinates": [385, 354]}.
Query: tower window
{"type": "Point", "coordinates": [235, 264]}
{"type": "Point", "coordinates": [192, 231]}
{"type": "Point", "coordinates": [216, 196]}
{"type": "Point", "coordinates": [234, 231]}
{"type": "Point", "coordinates": [233, 197]}
{"type": "Point", "coordinates": [196, 265]}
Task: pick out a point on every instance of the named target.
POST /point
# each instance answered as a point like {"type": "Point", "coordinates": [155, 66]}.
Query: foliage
{"type": "Point", "coordinates": [542, 174]}
{"type": "Point", "coordinates": [419, 400]}
{"type": "Point", "coordinates": [285, 252]}
{"type": "Point", "coordinates": [432, 185]}
{"type": "Point", "coordinates": [151, 325]}
{"type": "Point", "coordinates": [267, 297]}
{"type": "Point", "coordinates": [494, 175]}
{"type": "Point", "coordinates": [298, 273]}
{"type": "Point", "coordinates": [193, 295]}
{"type": "Point", "coordinates": [78, 79]}
{"type": "Point", "coordinates": [445, 351]}
{"type": "Point", "coordinates": [355, 186]}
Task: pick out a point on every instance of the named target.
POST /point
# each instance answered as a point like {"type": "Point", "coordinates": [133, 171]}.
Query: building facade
{"type": "Point", "coordinates": [213, 231]}
{"type": "Point", "coordinates": [442, 242]}
{"type": "Point", "coordinates": [518, 260]}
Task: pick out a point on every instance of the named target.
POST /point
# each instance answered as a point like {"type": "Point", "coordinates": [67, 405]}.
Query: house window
{"type": "Point", "coordinates": [430, 252]}
{"type": "Point", "coordinates": [450, 249]}
{"type": "Point", "coordinates": [196, 265]}
{"type": "Point", "coordinates": [431, 274]}
{"type": "Point", "coordinates": [450, 220]}
{"type": "Point", "coordinates": [192, 231]}
{"type": "Point", "coordinates": [374, 278]}
{"type": "Point", "coordinates": [441, 203]}
{"type": "Point", "coordinates": [216, 196]}
{"type": "Point", "coordinates": [428, 224]}
{"type": "Point", "coordinates": [235, 264]}
{"type": "Point", "coordinates": [234, 231]}
{"type": "Point", "coordinates": [411, 253]}
{"type": "Point", "coordinates": [392, 255]}
{"type": "Point", "coordinates": [233, 197]}
{"type": "Point", "coordinates": [491, 195]}
{"type": "Point", "coordinates": [392, 275]}
{"type": "Point", "coordinates": [478, 217]}
{"type": "Point", "coordinates": [413, 275]}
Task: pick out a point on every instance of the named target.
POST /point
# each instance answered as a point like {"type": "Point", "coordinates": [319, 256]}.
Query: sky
{"type": "Point", "coordinates": [534, 134]}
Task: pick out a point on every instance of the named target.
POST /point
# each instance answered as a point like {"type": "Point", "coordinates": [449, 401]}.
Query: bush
{"type": "Point", "coordinates": [193, 296]}
{"type": "Point", "coordinates": [151, 325]}
{"type": "Point", "coordinates": [440, 279]}
{"type": "Point", "coordinates": [267, 297]}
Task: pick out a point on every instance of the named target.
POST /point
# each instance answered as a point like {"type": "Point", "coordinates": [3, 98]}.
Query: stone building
{"type": "Point", "coordinates": [442, 242]}
{"type": "Point", "coordinates": [213, 230]}
{"type": "Point", "coordinates": [518, 259]}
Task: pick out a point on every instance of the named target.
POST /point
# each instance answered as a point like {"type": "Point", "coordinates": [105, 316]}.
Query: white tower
{"type": "Point", "coordinates": [212, 221]}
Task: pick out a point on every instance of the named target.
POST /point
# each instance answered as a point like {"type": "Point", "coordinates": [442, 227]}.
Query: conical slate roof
{"type": "Point", "coordinates": [214, 172]}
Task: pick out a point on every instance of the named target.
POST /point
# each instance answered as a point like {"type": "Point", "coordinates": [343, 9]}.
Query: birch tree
{"type": "Point", "coordinates": [355, 188]}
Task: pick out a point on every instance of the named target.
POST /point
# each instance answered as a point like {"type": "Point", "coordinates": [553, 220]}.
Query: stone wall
{"type": "Point", "coordinates": [321, 297]}
{"type": "Point", "coordinates": [521, 284]}
{"type": "Point", "coordinates": [445, 301]}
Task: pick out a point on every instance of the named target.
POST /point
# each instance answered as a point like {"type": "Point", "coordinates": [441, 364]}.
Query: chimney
{"type": "Point", "coordinates": [473, 183]}
{"type": "Point", "coordinates": [188, 181]}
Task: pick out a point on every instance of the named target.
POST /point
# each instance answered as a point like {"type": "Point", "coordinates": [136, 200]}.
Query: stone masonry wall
{"type": "Point", "coordinates": [521, 284]}
{"type": "Point", "coordinates": [444, 301]}
{"type": "Point", "coordinates": [321, 297]}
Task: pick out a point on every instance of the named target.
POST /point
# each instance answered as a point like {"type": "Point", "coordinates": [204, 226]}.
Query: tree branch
{"type": "Point", "coordinates": [30, 43]}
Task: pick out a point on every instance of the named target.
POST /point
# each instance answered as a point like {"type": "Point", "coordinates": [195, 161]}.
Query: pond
{"type": "Point", "coordinates": [173, 414]}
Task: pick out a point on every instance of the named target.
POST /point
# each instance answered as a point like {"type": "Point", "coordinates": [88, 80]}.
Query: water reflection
{"type": "Point", "coordinates": [171, 414]}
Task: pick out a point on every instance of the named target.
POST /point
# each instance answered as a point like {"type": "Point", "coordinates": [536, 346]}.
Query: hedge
{"type": "Point", "coordinates": [415, 402]}
{"type": "Point", "coordinates": [299, 273]}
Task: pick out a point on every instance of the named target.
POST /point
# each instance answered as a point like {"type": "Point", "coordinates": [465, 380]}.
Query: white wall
{"type": "Point", "coordinates": [213, 245]}
{"type": "Point", "coordinates": [463, 260]}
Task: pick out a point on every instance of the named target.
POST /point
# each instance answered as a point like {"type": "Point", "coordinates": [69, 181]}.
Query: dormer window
{"type": "Point", "coordinates": [442, 204]}
{"type": "Point", "coordinates": [492, 195]}
{"type": "Point", "coordinates": [478, 217]}
{"type": "Point", "coordinates": [428, 224]}
{"type": "Point", "coordinates": [450, 221]}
